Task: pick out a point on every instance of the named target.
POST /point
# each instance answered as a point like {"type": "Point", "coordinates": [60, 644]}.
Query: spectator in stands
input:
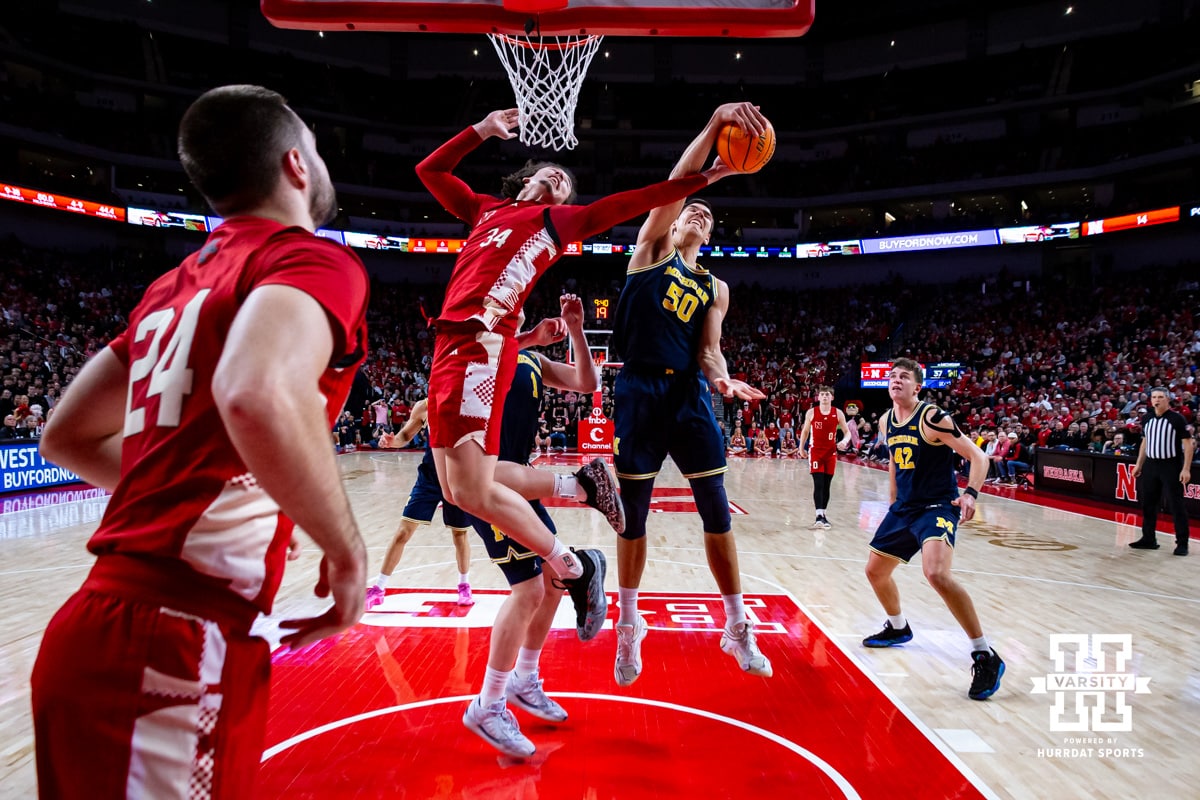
{"type": "Point", "coordinates": [11, 431]}
{"type": "Point", "coordinates": [997, 450]}
{"type": "Point", "coordinates": [762, 446]}
{"type": "Point", "coordinates": [558, 430]}
{"type": "Point", "coordinates": [788, 446]}
{"type": "Point", "coordinates": [737, 442]}
{"type": "Point", "coordinates": [541, 440]}
{"type": "Point", "coordinates": [1015, 461]}
{"type": "Point", "coordinates": [1118, 447]}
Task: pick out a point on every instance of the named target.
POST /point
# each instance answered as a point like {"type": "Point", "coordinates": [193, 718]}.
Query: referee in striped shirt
{"type": "Point", "coordinates": [1164, 464]}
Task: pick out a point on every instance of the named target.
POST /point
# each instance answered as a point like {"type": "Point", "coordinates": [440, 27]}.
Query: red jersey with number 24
{"type": "Point", "coordinates": [185, 494]}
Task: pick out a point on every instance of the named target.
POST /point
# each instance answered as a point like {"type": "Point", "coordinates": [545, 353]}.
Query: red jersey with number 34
{"type": "Point", "coordinates": [513, 242]}
{"type": "Point", "coordinates": [184, 492]}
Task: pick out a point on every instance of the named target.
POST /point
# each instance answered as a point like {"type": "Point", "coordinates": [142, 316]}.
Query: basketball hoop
{"type": "Point", "coordinates": [546, 74]}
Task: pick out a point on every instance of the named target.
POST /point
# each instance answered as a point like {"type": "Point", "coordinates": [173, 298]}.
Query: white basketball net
{"type": "Point", "coordinates": [546, 74]}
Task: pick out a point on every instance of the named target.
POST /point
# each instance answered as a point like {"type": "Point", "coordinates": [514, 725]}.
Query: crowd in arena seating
{"type": "Point", "coordinates": [1047, 364]}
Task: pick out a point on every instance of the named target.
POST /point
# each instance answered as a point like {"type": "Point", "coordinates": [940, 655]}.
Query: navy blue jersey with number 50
{"type": "Point", "coordinates": [660, 315]}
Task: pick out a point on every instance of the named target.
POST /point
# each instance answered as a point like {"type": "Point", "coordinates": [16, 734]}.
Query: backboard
{"type": "Point", "coordinates": [742, 18]}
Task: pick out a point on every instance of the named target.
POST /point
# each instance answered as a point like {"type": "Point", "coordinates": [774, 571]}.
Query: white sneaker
{"type": "Point", "coordinates": [497, 726]}
{"type": "Point", "coordinates": [739, 643]}
{"type": "Point", "coordinates": [629, 652]}
{"type": "Point", "coordinates": [526, 693]}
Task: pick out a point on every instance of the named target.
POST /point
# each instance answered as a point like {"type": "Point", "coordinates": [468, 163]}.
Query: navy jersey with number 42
{"type": "Point", "coordinates": [924, 469]}
{"type": "Point", "coordinates": [660, 315]}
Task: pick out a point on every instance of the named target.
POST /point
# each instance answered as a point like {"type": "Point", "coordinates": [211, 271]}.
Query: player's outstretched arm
{"type": "Point", "coordinates": [416, 421]}
{"type": "Point", "coordinates": [265, 388]}
{"type": "Point", "coordinates": [86, 431]}
{"type": "Point", "coordinates": [653, 241]}
{"type": "Point", "coordinates": [435, 171]}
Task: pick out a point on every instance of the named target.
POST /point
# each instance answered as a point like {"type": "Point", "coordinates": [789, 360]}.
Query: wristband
{"type": "Point", "coordinates": [971, 491]}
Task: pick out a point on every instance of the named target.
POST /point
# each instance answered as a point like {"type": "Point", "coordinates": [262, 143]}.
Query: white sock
{"type": "Point", "coordinates": [980, 644]}
{"type": "Point", "coordinates": [565, 485]}
{"type": "Point", "coordinates": [564, 563]}
{"type": "Point", "coordinates": [735, 611]}
{"type": "Point", "coordinates": [820, 512]}
{"type": "Point", "coordinates": [494, 681]}
{"type": "Point", "coordinates": [382, 580]}
{"type": "Point", "coordinates": [462, 577]}
{"type": "Point", "coordinates": [898, 621]}
{"type": "Point", "coordinates": [627, 602]}
{"type": "Point", "coordinates": [527, 662]}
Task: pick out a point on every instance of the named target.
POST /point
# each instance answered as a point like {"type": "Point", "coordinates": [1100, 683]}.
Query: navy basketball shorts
{"type": "Point", "coordinates": [660, 413]}
{"type": "Point", "coordinates": [903, 533]}
{"type": "Point", "coordinates": [423, 501]}
{"type": "Point", "coordinates": [517, 562]}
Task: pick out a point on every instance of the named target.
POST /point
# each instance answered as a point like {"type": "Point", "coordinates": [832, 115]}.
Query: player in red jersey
{"type": "Point", "coordinates": [208, 419]}
{"type": "Point", "coordinates": [513, 241]}
{"type": "Point", "coordinates": [823, 421]}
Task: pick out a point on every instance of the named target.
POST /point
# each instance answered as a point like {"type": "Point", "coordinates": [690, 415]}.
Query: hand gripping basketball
{"type": "Point", "coordinates": [744, 152]}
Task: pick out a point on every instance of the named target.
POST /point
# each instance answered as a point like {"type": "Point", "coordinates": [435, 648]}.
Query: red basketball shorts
{"type": "Point", "coordinates": [822, 462]}
{"type": "Point", "coordinates": [472, 372]}
{"type": "Point", "coordinates": [131, 699]}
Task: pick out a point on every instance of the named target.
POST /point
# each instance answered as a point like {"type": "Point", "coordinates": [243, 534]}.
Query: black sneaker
{"type": "Point", "coordinates": [889, 636]}
{"type": "Point", "coordinates": [587, 593]}
{"type": "Point", "coordinates": [1181, 550]}
{"type": "Point", "coordinates": [985, 674]}
{"type": "Point", "coordinates": [601, 486]}
{"type": "Point", "coordinates": [1144, 544]}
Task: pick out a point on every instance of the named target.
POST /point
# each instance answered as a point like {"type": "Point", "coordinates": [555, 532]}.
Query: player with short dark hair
{"type": "Point", "coordinates": [208, 419]}
{"type": "Point", "coordinates": [668, 328]}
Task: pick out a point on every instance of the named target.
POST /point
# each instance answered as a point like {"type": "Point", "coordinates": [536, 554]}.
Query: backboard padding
{"type": "Point", "coordinates": [740, 18]}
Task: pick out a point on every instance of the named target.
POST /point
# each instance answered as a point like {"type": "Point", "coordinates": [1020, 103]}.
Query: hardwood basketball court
{"type": "Point", "coordinates": [376, 713]}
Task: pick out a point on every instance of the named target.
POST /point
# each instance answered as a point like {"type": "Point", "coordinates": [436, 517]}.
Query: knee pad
{"type": "Point", "coordinates": [712, 503]}
{"type": "Point", "coordinates": [635, 496]}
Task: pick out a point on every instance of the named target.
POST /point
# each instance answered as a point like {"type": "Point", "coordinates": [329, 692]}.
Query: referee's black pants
{"type": "Point", "coordinates": [1161, 476]}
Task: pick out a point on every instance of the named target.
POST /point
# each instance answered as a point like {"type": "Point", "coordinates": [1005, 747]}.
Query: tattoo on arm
{"type": "Point", "coordinates": [939, 415]}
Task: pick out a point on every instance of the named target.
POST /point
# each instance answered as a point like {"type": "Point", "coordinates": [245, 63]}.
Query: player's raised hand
{"type": "Point", "coordinates": [499, 123]}
{"type": "Point", "coordinates": [718, 170]}
{"type": "Point", "coordinates": [548, 331]}
{"type": "Point", "coordinates": [744, 115]}
{"type": "Point", "coordinates": [345, 584]}
{"type": "Point", "coordinates": [732, 387]}
{"type": "Point", "coordinates": [572, 310]}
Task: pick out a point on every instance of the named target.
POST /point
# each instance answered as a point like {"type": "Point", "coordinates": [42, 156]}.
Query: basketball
{"type": "Point", "coordinates": [743, 152]}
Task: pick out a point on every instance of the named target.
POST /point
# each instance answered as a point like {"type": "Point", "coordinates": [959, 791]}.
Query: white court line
{"type": "Point", "coordinates": [1006, 576]}
{"type": "Point", "coordinates": [928, 732]}
{"type": "Point", "coordinates": [838, 779]}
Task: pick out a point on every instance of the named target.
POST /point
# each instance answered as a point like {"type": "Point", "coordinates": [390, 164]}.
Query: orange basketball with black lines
{"type": "Point", "coordinates": [743, 152]}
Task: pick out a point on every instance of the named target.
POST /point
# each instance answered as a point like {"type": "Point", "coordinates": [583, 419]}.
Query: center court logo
{"type": "Point", "coordinates": [1089, 671]}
